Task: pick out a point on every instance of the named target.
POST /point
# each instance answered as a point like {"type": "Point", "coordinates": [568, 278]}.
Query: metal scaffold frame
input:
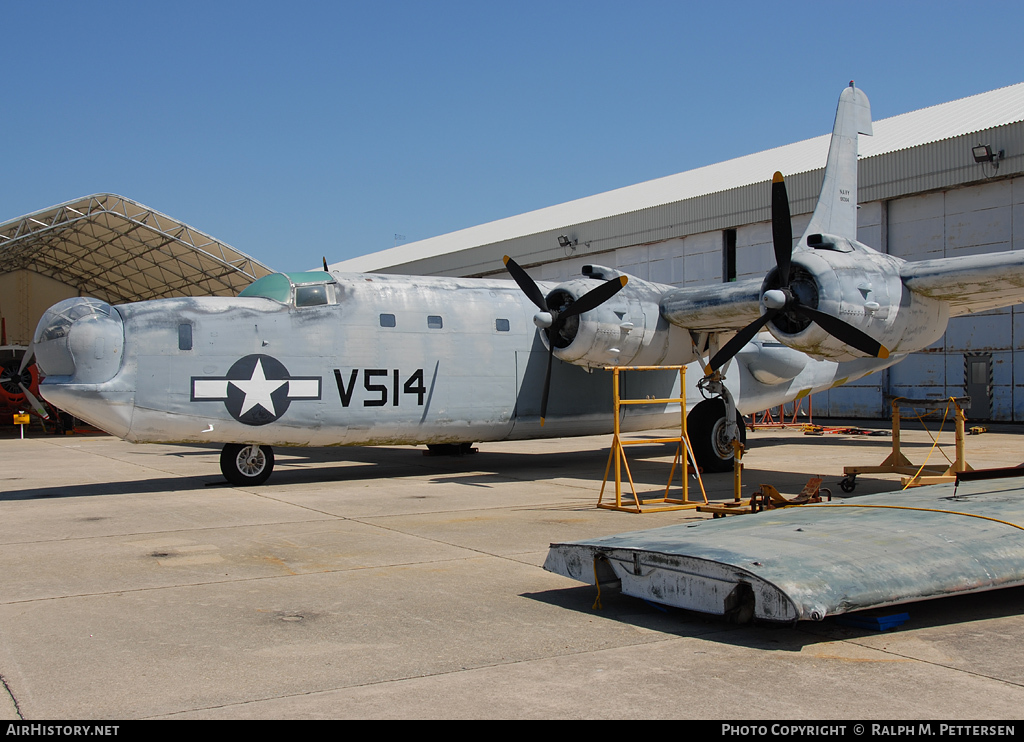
{"type": "Point", "coordinates": [897, 463]}
{"type": "Point", "coordinates": [767, 418]}
{"type": "Point", "coordinates": [681, 460]}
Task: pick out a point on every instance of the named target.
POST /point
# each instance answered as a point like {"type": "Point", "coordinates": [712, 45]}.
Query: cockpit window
{"type": "Point", "coordinates": [276, 286]}
{"type": "Point", "coordinates": [300, 289]}
{"type": "Point", "coordinates": [310, 296]}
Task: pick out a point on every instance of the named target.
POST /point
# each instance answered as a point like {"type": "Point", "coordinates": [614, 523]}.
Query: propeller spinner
{"type": "Point", "coordinates": [553, 320]}
{"type": "Point", "coordinates": [786, 299]}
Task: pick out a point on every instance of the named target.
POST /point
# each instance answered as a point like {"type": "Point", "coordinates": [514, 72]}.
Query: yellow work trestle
{"type": "Point", "coordinates": [682, 459]}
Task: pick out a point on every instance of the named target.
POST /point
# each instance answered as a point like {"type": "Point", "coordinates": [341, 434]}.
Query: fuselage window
{"type": "Point", "coordinates": [434, 322]}
{"type": "Point", "coordinates": [387, 320]}
{"type": "Point", "coordinates": [185, 337]}
{"type": "Point", "coordinates": [310, 296]}
{"type": "Point", "coordinates": [501, 325]}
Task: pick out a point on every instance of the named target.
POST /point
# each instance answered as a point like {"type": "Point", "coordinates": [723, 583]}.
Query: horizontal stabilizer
{"type": "Point", "coordinates": [972, 283]}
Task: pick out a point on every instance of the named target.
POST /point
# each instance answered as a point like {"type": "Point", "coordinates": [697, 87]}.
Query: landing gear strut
{"type": "Point", "coordinates": [713, 425]}
{"type": "Point", "coordinates": [247, 464]}
{"type": "Point", "coordinates": [711, 437]}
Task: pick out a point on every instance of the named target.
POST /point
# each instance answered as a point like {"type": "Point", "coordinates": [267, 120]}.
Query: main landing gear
{"type": "Point", "coordinates": [246, 464]}
{"type": "Point", "coordinates": [713, 425]}
{"type": "Point", "coordinates": [711, 437]}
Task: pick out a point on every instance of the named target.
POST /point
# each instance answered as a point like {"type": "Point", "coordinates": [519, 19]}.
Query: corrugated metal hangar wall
{"type": "Point", "coordinates": [922, 202]}
{"type": "Point", "coordinates": [982, 218]}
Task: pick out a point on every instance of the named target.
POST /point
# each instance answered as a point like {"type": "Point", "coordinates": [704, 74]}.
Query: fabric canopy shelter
{"type": "Point", "coordinates": [118, 250]}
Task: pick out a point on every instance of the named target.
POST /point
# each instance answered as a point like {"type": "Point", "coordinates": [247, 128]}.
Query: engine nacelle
{"type": "Point", "coordinates": [860, 286]}
{"type": "Point", "coordinates": [626, 330]}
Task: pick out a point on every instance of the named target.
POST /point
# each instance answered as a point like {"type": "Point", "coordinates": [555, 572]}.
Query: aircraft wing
{"type": "Point", "coordinates": [973, 283]}
{"type": "Point", "coordinates": [718, 307]}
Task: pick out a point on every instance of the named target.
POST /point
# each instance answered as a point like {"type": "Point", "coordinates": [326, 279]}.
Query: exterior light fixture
{"type": "Point", "coordinates": [564, 241]}
{"type": "Point", "coordinates": [983, 153]}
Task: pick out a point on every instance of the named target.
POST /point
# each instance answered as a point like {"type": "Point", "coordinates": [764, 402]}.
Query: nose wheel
{"type": "Point", "coordinates": [246, 464]}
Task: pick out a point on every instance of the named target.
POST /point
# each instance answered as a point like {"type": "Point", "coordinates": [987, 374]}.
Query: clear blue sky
{"type": "Point", "coordinates": [302, 129]}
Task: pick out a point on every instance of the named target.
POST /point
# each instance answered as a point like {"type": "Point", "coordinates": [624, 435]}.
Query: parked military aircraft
{"type": "Point", "coordinates": [326, 359]}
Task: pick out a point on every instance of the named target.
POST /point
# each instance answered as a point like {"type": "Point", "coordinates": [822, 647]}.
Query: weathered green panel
{"type": "Point", "coordinates": [814, 561]}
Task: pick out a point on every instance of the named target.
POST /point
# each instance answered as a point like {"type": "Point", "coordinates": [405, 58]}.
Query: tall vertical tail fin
{"type": "Point", "coordinates": [836, 212]}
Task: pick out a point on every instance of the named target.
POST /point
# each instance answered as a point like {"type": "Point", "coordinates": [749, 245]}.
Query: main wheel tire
{"type": "Point", "coordinates": [246, 464]}
{"type": "Point", "coordinates": [705, 426]}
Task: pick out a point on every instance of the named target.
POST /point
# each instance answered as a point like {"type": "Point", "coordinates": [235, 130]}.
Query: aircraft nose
{"type": "Point", "coordinates": [80, 340]}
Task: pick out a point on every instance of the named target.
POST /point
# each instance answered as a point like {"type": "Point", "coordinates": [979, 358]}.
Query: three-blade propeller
{"type": "Point", "coordinates": [9, 379]}
{"type": "Point", "coordinates": [554, 320]}
{"type": "Point", "coordinates": [784, 299]}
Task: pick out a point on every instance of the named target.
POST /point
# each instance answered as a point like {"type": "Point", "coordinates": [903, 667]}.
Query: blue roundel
{"type": "Point", "coordinates": [257, 390]}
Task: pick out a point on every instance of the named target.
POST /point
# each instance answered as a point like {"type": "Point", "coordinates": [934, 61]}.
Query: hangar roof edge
{"type": "Point", "coordinates": [934, 123]}
{"type": "Point", "coordinates": [118, 250]}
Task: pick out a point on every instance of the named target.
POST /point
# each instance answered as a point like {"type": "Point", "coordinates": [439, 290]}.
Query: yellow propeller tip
{"type": "Point", "coordinates": [883, 352]}
{"type": "Point", "coordinates": [777, 178]}
{"type": "Point", "coordinates": [542, 422]}
{"type": "Point", "coordinates": [623, 280]}
{"type": "Point", "coordinates": [505, 259]}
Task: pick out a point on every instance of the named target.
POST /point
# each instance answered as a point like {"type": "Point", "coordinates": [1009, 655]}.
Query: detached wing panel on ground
{"type": "Point", "coordinates": [813, 561]}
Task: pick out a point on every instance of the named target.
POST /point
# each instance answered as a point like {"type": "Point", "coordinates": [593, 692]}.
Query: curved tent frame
{"type": "Point", "coordinates": [119, 250]}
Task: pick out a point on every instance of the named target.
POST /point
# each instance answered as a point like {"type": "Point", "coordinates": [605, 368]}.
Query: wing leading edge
{"type": "Point", "coordinates": [718, 307]}
{"type": "Point", "coordinates": [971, 283]}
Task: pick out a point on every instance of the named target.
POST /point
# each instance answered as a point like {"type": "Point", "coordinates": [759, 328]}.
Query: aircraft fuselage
{"type": "Point", "coordinates": [387, 360]}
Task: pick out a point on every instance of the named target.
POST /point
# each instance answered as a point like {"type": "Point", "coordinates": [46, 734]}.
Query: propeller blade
{"type": "Point", "coordinates": [27, 358]}
{"type": "Point", "coordinates": [522, 278]}
{"type": "Point", "coordinates": [547, 386]}
{"type": "Point", "coordinates": [782, 228]}
{"type": "Point", "coordinates": [326, 269]}
{"type": "Point", "coordinates": [590, 300]}
{"type": "Point", "coordinates": [738, 340]}
{"type": "Point", "coordinates": [849, 334]}
{"type": "Point", "coordinates": [36, 405]}
{"type": "Point", "coordinates": [595, 297]}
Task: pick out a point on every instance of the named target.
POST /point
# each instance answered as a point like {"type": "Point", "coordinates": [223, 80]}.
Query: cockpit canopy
{"type": "Point", "coordinates": [298, 289]}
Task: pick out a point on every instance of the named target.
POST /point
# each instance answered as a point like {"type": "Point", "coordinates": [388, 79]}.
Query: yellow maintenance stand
{"type": "Point", "coordinates": [897, 463]}
{"type": "Point", "coordinates": [682, 459]}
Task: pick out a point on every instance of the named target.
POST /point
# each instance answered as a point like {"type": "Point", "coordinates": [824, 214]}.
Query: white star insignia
{"type": "Point", "coordinates": [258, 389]}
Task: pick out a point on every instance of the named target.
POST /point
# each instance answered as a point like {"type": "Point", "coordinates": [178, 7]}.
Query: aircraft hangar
{"type": "Point", "coordinates": [111, 248]}
{"type": "Point", "coordinates": [922, 192]}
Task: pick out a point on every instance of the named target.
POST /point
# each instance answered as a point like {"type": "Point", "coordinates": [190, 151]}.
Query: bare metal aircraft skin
{"type": "Point", "coordinates": [386, 359]}
{"type": "Point", "coordinates": [810, 562]}
{"type": "Point", "coordinates": [329, 359]}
